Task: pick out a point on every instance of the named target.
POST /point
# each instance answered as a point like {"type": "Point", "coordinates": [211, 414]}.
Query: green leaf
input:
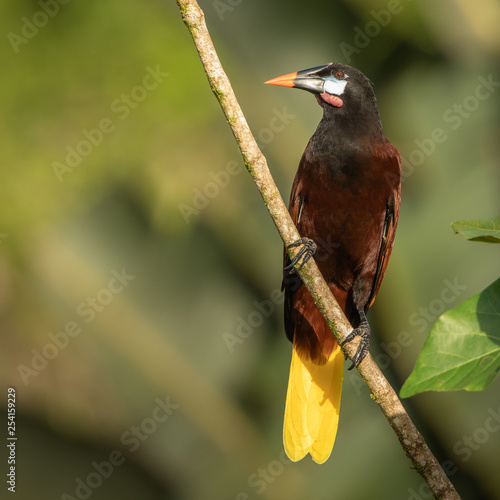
{"type": "Point", "coordinates": [463, 348]}
{"type": "Point", "coordinates": [487, 230]}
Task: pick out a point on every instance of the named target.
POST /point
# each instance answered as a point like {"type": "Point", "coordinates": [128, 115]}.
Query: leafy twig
{"type": "Point", "coordinates": [381, 391]}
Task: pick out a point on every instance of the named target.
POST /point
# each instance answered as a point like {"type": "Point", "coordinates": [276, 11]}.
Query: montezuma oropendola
{"type": "Point", "coordinates": [345, 203]}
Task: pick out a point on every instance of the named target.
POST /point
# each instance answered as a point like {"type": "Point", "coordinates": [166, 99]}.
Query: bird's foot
{"type": "Point", "coordinates": [363, 331]}
{"type": "Point", "coordinates": [304, 254]}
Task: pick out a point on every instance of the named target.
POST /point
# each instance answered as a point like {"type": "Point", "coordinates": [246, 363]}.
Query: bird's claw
{"type": "Point", "coordinates": [305, 253]}
{"type": "Point", "coordinates": [362, 331]}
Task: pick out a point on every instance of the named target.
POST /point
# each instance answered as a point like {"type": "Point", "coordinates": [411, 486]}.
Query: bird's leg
{"type": "Point", "coordinates": [305, 253]}
{"type": "Point", "coordinates": [363, 331]}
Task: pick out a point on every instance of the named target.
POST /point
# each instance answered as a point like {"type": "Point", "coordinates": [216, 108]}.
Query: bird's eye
{"type": "Point", "coordinates": [339, 75]}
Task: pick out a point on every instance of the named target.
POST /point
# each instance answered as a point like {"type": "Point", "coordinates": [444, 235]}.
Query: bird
{"type": "Point", "coordinates": [345, 202]}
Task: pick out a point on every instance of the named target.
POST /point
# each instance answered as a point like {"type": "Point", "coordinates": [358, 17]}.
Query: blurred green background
{"type": "Point", "coordinates": [141, 325]}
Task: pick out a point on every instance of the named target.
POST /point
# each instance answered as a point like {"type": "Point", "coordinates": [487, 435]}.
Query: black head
{"type": "Point", "coordinates": [342, 91]}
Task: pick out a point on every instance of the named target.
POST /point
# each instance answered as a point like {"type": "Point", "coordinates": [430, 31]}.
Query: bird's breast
{"type": "Point", "coordinates": [341, 203]}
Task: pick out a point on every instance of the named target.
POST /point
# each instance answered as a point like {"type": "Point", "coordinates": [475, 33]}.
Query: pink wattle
{"type": "Point", "coordinates": [332, 99]}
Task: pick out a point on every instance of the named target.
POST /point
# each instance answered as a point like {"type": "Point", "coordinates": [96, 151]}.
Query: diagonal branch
{"type": "Point", "coordinates": [381, 391]}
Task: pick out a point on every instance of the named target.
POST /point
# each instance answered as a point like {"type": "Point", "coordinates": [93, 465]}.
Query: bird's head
{"type": "Point", "coordinates": [334, 84]}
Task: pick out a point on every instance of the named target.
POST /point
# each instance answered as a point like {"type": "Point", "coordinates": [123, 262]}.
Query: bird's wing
{"type": "Point", "coordinates": [390, 224]}
{"type": "Point", "coordinates": [291, 280]}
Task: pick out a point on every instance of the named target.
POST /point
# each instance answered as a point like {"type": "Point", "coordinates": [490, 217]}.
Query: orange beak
{"type": "Point", "coordinates": [284, 80]}
{"type": "Point", "coordinates": [307, 79]}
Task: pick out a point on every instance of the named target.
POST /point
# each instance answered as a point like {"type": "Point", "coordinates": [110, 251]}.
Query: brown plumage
{"type": "Point", "coordinates": [345, 198]}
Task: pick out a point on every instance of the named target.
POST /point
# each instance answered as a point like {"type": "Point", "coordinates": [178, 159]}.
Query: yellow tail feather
{"type": "Point", "coordinates": [312, 407]}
